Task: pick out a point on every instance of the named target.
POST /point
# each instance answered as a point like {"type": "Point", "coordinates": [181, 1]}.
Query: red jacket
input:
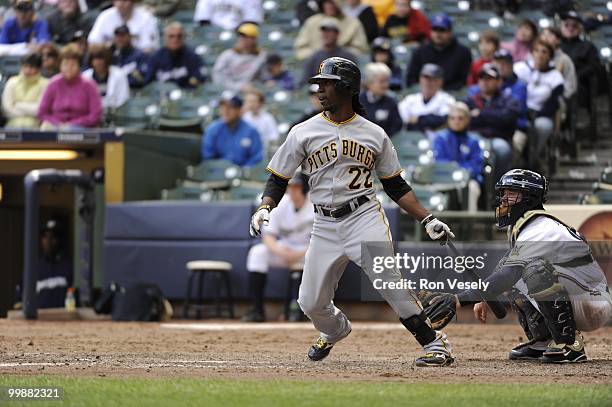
{"type": "Point", "coordinates": [475, 69]}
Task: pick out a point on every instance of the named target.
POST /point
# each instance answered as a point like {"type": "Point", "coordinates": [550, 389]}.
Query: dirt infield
{"type": "Point", "coordinates": [373, 352]}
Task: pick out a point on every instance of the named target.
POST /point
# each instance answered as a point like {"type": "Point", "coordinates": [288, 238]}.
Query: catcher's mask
{"type": "Point", "coordinates": [517, 192]}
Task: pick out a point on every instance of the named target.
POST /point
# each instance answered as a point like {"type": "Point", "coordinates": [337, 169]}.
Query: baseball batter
{"type": "Point", "coordinates": [555, 286]}
{"type": "Point", "coordinates": [340, 151]}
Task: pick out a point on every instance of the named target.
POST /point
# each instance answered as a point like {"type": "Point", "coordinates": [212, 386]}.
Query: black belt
{"type": "Point", "coordinates": [577, 262]}
{"type": "Point", "coordinates": [344, 210]}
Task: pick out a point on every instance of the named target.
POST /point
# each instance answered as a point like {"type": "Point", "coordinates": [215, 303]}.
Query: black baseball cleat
{"type": "Point", "coordinates": [254, 316]}
{"type": "Point", "coordinates": [434, 359]}
{"type": "Point", "coordinates": [526, 351]}
{"type": "Point", "coordinates": [319, 350]}
{"type": "Point", "coordinates": [563, 353]}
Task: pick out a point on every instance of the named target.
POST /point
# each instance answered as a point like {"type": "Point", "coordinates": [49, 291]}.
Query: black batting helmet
{"type": "Point", "coordinates": [533, 188]}
{"type": "Point", "coordinates": [342, 70]}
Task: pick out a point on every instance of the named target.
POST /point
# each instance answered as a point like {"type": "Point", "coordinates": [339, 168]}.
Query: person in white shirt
{"type": "Point", "coordinates": [228, 14]}
{"type": "Point", "coordinates": [285, 240]}
{"type": "Point", "coordinates": [427, 110]}
{"type": "Point", "coordinates": [257, 116]}
{"type": "Point", "coordinates": [111, 80]}
{"type": "Point", "coordinates": [142, 25]}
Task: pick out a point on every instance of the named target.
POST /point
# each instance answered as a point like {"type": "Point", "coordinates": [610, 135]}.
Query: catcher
{"type": "Point", "coordinates": [552, 281]}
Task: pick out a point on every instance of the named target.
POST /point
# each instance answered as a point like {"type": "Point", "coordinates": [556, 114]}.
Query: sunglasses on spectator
{"type": "Point", "coordinates": [175, 35]}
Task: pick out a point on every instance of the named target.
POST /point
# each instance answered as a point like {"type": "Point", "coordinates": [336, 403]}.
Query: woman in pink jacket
{"type": "Point", "coordinates": [70, 101]}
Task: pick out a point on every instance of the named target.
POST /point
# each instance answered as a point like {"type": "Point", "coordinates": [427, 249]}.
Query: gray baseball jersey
{"type": "Point", "coordinates": [338, 157]}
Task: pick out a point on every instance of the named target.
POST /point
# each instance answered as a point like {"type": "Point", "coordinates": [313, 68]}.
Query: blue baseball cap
{"type": "Point", "coordinates": [441, 21]}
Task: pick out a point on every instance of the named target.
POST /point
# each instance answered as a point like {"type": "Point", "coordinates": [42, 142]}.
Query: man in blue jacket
{"type": "Point", "coordinates": [175, 61]}
{"type": "Point", "coordinates": [130, 59]}
{"type": "Point", "coordinates": [25, 26]}
{"type": "Point", "coordinates": [494, 115]}
{"type": "Point", "coordinates": [456, 144]}
{"type": "Point", "coordinates": [230, 137]}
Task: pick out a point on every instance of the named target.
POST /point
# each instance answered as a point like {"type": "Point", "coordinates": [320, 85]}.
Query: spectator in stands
{"type": "Point", "coordinates": [382, 9]}
{"type": "Point", "coordinates": [381, 108]}
{"type": "Point", "coordinates": [131, 60]}
{"type": "Point", "coordinates": [67, 20]}
{"type": "Point", "coordinates": [79, 40]}
{"type": "Point", "coordinates": [22, 94]}
{"type": "Point", "coordinates": [520, 46]}
{"type": "Point", "coordinates": [143, 25]}
{"type": "Point", "coordinates": [25, 26]}
{"type": "Point", "coordinates": [351, 33]}
{"type": "Point", "coordinates": [544, 89]}
{"type": "Point", "coordinates": [488, 44]}
{"type": "Point", "coordinates": [365, 14]}
{"type": "Point", "coordinates": [162, 8]}
{"type": "Point", "coordinates": [593, 21]}
{"type": "Point", "coordinates": [238, 66]}
{"type": "Point", "coordinates": [230, 137]}
{"type": "Point", "coordinates": [427, 110]}
{"type": "Point", "coordinates": [112, 82]}
{"type": "Point", "coordinates": [583, 53]}
{"type": "Point", "coordinates": [255, 114]}
{"type": "Point", "coordinates": [494, 115]}
{"type": "Point", "coordinates": [329, 32]}
{"type": "Point", "coordinates": [315, 105]}
{"type": "Point", "coordinates": [284, 242]}
{"type": "Point", "coordinates": [275, 74]}
{"type": "Point", "coordinates": [54, 268]}
{"type": "Point", "coordinates": [406, 23]}
{"type": "Point", "coordinates": [305, 9]}
{"type": "Point", "coordinates": [552, 36]}
{"type": "Point", "coordinates": [175, 61]}
{"type": "Point", "coordinates": [511, 85]}
{"type": "Point", "coordinates": [457, 144]}
{"type": "Point", "coordinates": [443, 50]}
{"type": "Point", "coordinates": [70, 101]}
{"type": "Point", "coordinates": [50, 60]}
{"type": "Point", "coordinates": [228, 14]}
{"type": "Point", "coordinates": [381, 52]}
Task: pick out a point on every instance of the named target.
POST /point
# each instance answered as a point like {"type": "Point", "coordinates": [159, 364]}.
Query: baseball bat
{"type": "Point", "coordinates": [497, 307]}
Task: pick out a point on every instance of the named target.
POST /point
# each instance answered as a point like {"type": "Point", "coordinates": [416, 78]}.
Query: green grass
{"type": "Point", "coordinates": [228, 393]}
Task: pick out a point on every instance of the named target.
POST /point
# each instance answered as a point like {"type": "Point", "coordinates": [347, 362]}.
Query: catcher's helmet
{"type": "Point", "coordinates": [533, 188]}
{"type": "Point", "coordinates": [342, 70]}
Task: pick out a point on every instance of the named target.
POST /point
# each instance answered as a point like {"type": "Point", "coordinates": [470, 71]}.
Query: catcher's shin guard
{"type": "Point", "coordinates": [420, 327]}
{"type": "Point", "coordinates": [531, 320]}
{"type": "Point", "coordinates": [552, 299]}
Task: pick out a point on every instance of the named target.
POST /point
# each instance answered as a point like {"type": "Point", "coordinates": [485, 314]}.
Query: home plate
{"type": "Point", "coordinates": [273, 326]}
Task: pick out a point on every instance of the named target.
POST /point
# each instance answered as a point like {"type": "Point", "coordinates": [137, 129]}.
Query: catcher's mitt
{"type": "Point", "coordinates": [441, 308]}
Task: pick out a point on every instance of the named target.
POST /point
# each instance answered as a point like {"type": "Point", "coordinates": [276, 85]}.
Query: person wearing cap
{"type": "Point", "coordinates": [427, 109]}
{"type": "Point", "coordinates": [228, 14]}
{"type": "Point", "coordinates": [25, 26]}
{"type": "Point", "coordinates": [364, 13]}
{"type": "Point", "coordinates": [22, 93]}
{"type": "Point", "coordinates": [284, 242]}
{"type": "Point", "coordinates": [237, 66]}
{"type": "Point", "coordinates": [494, 115]}
{"type": "Point", "coordinates": [381, 52]}
{"type": "Point", "coordinates": [275, 75]}
{"type": "Point", "coordinates": [457, 144]}
{"type": "Point", "coordinates": [175, 61]}
{"type": "Point", "coordinates": [351, 34]}
{"type": "Point", "coordinates": [544, 90]}
{"type": "Point", "coordinates": [381, 108]}
{"type": "Point", "coordinates": [230, 137]}
{"type": "Point", "coordinates": [330, 33]}
{"type": "Point", "coordinates": [255, 114]}
{"type": "Point", "coordinates": [444, 50]}
{"type": "Point", "coordinates": [584, 55]}
{"type": "Point", "coordinates": [111, 81]}
{"type": "Point", "coordinates": [143, 25]}
{"type": "Point", "coordinates": [564, 64]}
{"type": "Point", "coordinates": [513, 86]}
{"type": "Point", "coordinates": [132, 61]}
{"type": "Point", "coordinates": [520, 46]}
{"type": "Point", "coordinates": [406, 23]}
{"type": "Point", "coordinates": [488, 44]}
{"type": "Point", "coordinates": [67, 20]}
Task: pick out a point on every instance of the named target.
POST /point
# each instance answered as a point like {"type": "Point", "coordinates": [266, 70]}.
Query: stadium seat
{"type": "Point", "coordinates": [251, 193]}
{"type": "Point", "coordinates": [215, 174]}
{"type": "Point", "coordinates": [446, 177]}
{"type": "Point", "coordinates": [190, 192]}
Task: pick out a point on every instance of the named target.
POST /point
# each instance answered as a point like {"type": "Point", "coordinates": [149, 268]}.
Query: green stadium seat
{"type": "Point", "coordinates": [215, 174]}
{"type": "Point", "coordinates": [190, 192]}
{"type": "Point", "coordinates": [431, 199]}
{"type": "Point", "coordinates": [244, 193]}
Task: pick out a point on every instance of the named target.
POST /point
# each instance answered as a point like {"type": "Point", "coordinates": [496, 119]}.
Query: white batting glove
{"type": "Point", "coordinates": [261, 216]}
{"type": "Point", "coordinates": [437, 229]}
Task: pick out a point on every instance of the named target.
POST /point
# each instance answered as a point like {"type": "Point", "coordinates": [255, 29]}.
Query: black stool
{"type": "Point", "coordinates": [293, 312]}
{"type": "Point", "coordinates": [221, 270]}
